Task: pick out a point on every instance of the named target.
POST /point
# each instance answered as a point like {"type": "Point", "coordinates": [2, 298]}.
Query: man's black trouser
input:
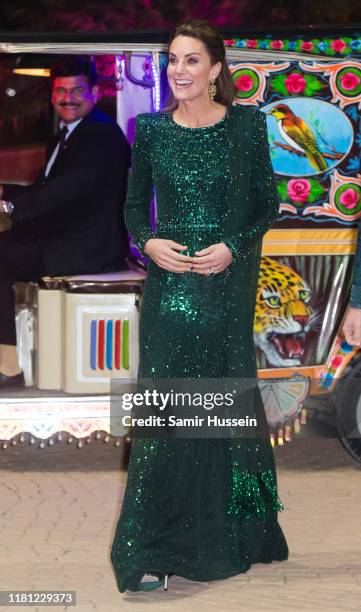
{"type": "Point", "coordinates": [20, 260]}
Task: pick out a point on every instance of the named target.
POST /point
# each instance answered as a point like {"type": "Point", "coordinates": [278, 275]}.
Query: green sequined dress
{"type": "Point", "coordinates": [203, 509]}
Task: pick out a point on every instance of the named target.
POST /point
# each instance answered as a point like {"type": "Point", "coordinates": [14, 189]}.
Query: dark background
{"type": "Point", "coordinates": [113, 15]}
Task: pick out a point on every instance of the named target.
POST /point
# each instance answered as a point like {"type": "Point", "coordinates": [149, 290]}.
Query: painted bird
{"type": "Point", "coordinates": [299, 135]}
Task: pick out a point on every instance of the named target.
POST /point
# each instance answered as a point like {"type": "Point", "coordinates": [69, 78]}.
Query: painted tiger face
{"type": "Point", "coordinates": [283, 315]}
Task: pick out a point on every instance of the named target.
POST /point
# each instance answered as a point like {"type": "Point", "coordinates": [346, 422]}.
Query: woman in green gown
{"type": "Point", "coordinates": [202, 508]}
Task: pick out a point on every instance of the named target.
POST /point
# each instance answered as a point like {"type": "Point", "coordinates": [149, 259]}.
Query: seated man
{"type": "Point", "coordinates": [70, 221]}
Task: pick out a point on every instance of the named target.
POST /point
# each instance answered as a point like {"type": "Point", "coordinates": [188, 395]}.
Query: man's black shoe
{"type": "Point", "coordinates": [12, 381]}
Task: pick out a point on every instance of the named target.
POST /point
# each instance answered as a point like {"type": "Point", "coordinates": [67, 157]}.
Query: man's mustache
{"type": "Point", "coordinates": [66, 104]}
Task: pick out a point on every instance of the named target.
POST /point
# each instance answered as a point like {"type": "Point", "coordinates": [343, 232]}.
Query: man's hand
{"type": "Point", "coordinates": [352, 326]}
{"type": "Point", "coordinates": [164, 253]}
{"type": "Point", "coordinates": [5, 222]}
{"type": "Point", "coordinates": [216, 258]}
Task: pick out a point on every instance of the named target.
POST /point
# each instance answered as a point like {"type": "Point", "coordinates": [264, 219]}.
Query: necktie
{"type": "Point", "coordinates": [60, 142]}
{"type": "Point", "coordinates": [62, 137]}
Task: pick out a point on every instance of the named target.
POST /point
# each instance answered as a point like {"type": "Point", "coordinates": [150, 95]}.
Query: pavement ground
{"type": "Point", "coordinates": [59, 507]}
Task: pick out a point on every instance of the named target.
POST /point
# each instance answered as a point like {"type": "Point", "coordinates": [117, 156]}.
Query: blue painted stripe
{"type": "Point", "coordinates": [93, 345]}
{"type": "Point", "coordinates": [109, 344]}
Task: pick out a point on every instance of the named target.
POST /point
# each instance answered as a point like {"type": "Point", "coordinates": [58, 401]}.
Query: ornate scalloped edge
{"type": "Point", "coordinates": [331, 46]}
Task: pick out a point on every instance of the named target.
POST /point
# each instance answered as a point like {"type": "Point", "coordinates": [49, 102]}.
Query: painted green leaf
{"type": "Point", "coordinates": [316, 190]}
{"type": "Point", "coordinates": [282, 190]}
{"type": "Point", "coordinates": [278, 84]}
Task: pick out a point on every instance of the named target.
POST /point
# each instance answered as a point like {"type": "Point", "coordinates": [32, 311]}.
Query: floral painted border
{"type": "Point", "coordinates": [343, 46]}
{"type": "Point", "coordinates": [336, 194]}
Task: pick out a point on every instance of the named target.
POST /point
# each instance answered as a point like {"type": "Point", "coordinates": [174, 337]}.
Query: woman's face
{"type": "Point", "coordinates": [190, 69]}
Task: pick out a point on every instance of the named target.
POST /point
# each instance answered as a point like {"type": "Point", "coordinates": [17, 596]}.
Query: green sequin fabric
{"type": "Point", "coordinates": [204, 509]}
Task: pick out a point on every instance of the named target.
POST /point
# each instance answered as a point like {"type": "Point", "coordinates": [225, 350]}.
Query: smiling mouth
{"type": "Point", "coordinates": [182, 83]}
{"type": "Point", "coordinates": [288, 345]}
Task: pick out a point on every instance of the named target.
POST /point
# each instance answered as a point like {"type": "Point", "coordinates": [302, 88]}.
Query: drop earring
{"type": "Point", "coordinates": [212, 88]}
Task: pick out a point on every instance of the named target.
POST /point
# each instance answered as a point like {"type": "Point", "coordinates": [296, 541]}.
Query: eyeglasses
{"type": "Point", "coordinates": [76, 92]}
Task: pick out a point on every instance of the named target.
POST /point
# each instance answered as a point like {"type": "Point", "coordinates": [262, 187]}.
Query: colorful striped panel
{"type": "Point", "coordinates": [109, 344]}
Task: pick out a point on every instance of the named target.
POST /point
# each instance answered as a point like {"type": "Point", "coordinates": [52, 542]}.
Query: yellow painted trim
{"type": "Point", "coordinates": [310, 242]}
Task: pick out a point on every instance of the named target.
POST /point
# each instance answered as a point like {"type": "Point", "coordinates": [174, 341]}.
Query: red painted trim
{"type": "Point", "coordinates": [117, 343]}
{"type": "Point", "coordinates": [101, 343]}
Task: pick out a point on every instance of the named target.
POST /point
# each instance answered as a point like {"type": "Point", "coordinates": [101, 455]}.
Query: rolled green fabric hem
{"type": "Point", "coordinates": [355, 296]}
{"type": "Point", "coordinates": [142, 238]}
{"type": "Point", "coordinates": [239, 251]}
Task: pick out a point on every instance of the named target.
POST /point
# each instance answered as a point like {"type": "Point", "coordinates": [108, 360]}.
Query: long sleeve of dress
{"type": "Point", "coordinates": [355, 297]}
{"type": "Point", "coordinates": [140, 188]}
{"type": "Point", "coordinates": [263, 189]}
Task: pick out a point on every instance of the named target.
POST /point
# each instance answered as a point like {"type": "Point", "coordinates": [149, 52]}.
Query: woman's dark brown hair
{"type": "Point", "coordinates": [213, 42]}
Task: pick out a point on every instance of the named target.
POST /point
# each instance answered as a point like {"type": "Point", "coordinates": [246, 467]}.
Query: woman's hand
{"type": "Point", "coordinates": [164, 253]}
{"type": "Point", "coordinates": [216, 258]}
{"type": "Point", "coordinates": [352, 326]}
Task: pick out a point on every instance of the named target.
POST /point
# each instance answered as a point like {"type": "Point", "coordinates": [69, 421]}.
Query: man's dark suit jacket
{"type": "Point", "coordinates": [76, 213]}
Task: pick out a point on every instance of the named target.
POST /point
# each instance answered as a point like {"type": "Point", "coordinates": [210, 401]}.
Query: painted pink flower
{"type": "Point", "coordinates": [244, 82]}
{"type": "Point", "coordinates": [307, 45]}
{"type": "Point", "coordinates": [338, 45]}
{"type": "Point", "coordinates": [295, 83]}
{"type": "Point", "coordinates": [251, 43]}
{"type": "Point", "coordinates": [229, 42]}
{"type": "Point", "coordinates": [350, 81]}
{"type": "Point", "coordinates": [336, 361]}
{"type": "Point", "coordinates": [276, 44]}
{"type": "Point", "coordinates": [298, 189]}
{"type": "Point", "coordinates": [349, 198]}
